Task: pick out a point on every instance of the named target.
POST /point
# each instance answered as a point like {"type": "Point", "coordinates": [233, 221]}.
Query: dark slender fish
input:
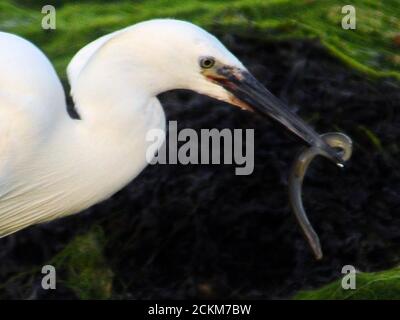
{"type": "Point", "coordinates": [336, 140]}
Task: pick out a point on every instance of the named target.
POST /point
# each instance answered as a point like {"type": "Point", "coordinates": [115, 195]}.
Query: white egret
{"type": "Point", "coordinates": [52, 165]}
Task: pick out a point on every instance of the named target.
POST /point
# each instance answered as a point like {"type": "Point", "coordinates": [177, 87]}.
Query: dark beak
{"type": "Point", "coordinates": [248, 91]}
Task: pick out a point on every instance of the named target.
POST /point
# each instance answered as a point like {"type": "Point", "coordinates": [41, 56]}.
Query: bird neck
{"type": "Point", "coordinates": [116, 116]}
{"type": "Point", "coordinates": [115, 96]}
{"type": "Point", "coordinates": [114, 105]}
{"type": "Point", "coordinates": [115, 85]}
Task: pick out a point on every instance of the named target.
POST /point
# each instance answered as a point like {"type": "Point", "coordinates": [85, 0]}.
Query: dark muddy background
{"type": "Point", "coordinates": [201, 232]}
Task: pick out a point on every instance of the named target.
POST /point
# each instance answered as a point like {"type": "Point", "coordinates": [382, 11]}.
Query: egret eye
{"type": "Point", "coordinates": [207, 62]}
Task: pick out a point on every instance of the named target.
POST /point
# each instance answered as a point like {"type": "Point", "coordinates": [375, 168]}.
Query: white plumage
{"type": "Point", "coordinates": [52, 165]}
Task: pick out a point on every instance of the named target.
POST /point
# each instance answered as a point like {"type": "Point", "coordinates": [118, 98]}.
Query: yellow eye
{"type": "Point", "coordinates": [207, 62]}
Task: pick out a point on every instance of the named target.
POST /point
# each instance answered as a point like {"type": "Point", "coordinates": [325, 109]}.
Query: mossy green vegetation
{"type": "Point", "coordinates": [375, 285]}
{"type": "Point", "coordinates": [82, 267]}
{"type": "Point", "coordinates": [373, 48]}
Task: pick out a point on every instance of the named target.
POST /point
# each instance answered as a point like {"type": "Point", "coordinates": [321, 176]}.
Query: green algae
{"type": "Point", "coordinates": [82, 267]}
{"type": "Point", "coordinates": [384, 285]}
{"type": "Point", "coordinates": [371, 49]}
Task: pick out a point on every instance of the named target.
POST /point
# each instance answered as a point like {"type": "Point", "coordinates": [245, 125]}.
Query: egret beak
{"type": "Point", "coordinates": [248, 93]}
